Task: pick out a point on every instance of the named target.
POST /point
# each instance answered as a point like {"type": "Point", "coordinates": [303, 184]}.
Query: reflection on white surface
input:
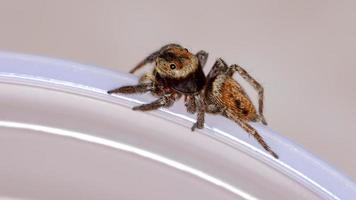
{"type": "Point", "coordinates": [306, 180]}
{"type": "Point", "coordinates": [131, 149]}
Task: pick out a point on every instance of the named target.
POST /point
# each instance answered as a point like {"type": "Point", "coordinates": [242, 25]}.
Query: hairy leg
{"type": "Point", "coordinates": [202, 57]}
{"type": "Point", "coordinates": [152, 57]}
{"type": "Point", "coordinates": [255, 85]}
{"type": "Point", "coordinates": [219, 67]}
{"type": "Point", "coordinates": [141, 88]}
{"type": "Point", "coordinates": [250, 130]}
{"type": "Point", "coordinates": [199, 102]}
{"type": "Point", "coordinates": [189, 103]}
{"type": "Point", "coordinates": [164, 101]}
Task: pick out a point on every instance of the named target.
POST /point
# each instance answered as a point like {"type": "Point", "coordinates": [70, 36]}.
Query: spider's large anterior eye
{"type": "Point", "coordinates": [172, 66]}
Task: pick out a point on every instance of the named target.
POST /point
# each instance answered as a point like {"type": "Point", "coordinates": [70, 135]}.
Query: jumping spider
{"type": "Point", "coordinates": [178, 73]}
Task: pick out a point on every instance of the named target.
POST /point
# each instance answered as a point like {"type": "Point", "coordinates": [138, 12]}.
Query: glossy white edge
{"type": "Point", "coordinates": [131, 149]}
{"type": "Point", "coordinates": [93, 82]}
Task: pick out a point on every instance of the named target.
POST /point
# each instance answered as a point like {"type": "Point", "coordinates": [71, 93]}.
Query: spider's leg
{"type": "Point", "coordinates": [152, 57]}
{"type": "Point", "coordinates": [199, 102]}
{"type": "Point", "coordinates": [164, 101]}
{"type": "Point", "coordinates": [243, 73]}
{"type": "Point", "coordinates": [219, 67]}
{"type": "Point", "coordinates": [189, 103]}
{"type": "Point", "coordinates": [148, 59]}
{"type": "Point", "coordinates": [202, 57]}
{"type": "Point", "coordinates": [249, 129]}
{"type": "Point", "coordinates": [130, 89]}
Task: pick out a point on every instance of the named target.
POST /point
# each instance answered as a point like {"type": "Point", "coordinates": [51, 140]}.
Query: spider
{"type": "Point", "coordinates": [178, 73]}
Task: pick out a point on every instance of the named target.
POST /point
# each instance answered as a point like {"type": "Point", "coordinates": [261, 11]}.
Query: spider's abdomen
{"type": "Point", "coordinates": [229, 95]}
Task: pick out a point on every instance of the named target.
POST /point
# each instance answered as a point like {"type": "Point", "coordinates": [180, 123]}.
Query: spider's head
{"type": "Point", "coordinates": [176, 63]}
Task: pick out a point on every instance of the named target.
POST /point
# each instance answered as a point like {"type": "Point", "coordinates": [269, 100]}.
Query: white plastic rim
{"type": "Point", "coordinates": [69, 78]}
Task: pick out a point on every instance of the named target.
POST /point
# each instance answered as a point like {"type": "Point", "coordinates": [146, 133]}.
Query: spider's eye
{"type": "Point", "coordinates": [172, 66]}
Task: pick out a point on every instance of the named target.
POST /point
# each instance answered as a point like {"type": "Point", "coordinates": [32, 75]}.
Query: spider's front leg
{"type": "Point", "coordinates": [146, 84]}
{"type": "Point", "coordinates": [166, 100]}
{"type": "Point", "coordinates": [130, 89]}
{"type": "Point", "coordinates": [152, 57]}
{"type": "Point", "coordinates": [201, 55]}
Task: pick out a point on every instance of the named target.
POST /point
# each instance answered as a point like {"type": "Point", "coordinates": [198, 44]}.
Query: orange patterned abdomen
{"type": "Point", "coordinates": [236, 100]}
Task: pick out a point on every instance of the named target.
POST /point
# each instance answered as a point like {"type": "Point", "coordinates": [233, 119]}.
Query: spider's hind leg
{"type": "Point", "coordinates": [257, 86]}
{"type": "Point", "coordinates": [250, 130]}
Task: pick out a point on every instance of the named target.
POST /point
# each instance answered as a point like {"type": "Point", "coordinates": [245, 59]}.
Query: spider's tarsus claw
{"type": "Point", "coordinates": [141, 108]}
{"type": "Point", "coordinates": [197, 125]}
{"type": "Point", "coordinates": [136, 108]}
{"type": "Point", "coordinates": [124, 90]}
{"type": "Point", "coordinates": [274, 154]}
{"type": "Point", "coordinates": [116, 90]}
{"type": "Point", "coordinates": [193, 127]}
{"type": "Point", "coordinates": [262, 120]}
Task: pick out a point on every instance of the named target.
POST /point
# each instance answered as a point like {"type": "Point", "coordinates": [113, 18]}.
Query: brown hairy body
{"type": "Point", "coordinates": [236, 100]}
{"type": "Point", "coordinates": [178, 73]}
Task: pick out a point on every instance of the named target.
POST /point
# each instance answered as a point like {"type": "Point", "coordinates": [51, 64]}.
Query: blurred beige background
{"type": "Point", "coordinates": [303, 52]}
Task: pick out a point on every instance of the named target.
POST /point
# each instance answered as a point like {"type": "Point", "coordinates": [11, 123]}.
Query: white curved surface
{"type": "Point", "coordinates": [61, 98]}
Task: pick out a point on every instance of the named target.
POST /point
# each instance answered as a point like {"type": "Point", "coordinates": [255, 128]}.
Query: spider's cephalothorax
{"type": "Point", "coordinates": [180, 70]}
{"type": "Point", "coordinates": [178, 73]}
